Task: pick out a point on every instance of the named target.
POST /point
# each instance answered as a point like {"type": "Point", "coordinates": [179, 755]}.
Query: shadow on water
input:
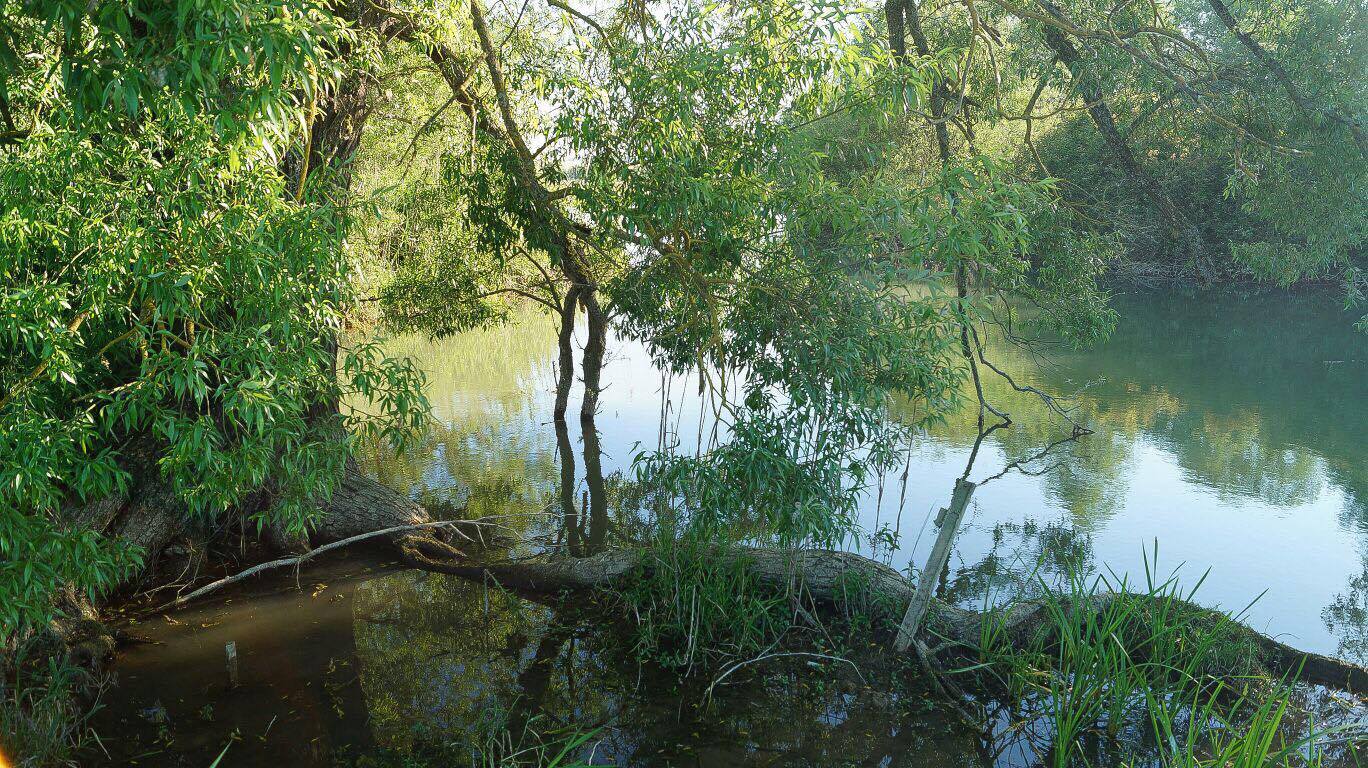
{"type": "Point", "coordinates": [360, 666]}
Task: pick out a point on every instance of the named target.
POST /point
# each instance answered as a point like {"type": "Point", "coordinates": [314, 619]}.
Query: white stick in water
{"type": "Point", "coordinates": [230, 648]}
{"type": "Point", "coordinates": [949, 522]}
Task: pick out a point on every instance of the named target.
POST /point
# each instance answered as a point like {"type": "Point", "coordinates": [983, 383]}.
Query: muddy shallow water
{"type": "Point", "coordinates": [1230, 429]}
{"type": "Point", "coordinates": [365, 660]}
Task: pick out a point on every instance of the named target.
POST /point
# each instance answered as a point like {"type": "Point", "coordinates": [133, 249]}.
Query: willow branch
{"type": "Point", "coordinates": [42, 367]}
{"type": "Point", "coordinates": [1280, 74]}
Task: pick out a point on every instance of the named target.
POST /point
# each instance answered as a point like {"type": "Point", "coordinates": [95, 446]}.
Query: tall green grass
{"type": "Point", "coordinates": [45, 708]}
{"type": "Point", "coordinates": [1120, 673]}
{"type": "Point", "coordinates": [691, 607]}
{"type": "Point", "coordinates": [1202, 733]}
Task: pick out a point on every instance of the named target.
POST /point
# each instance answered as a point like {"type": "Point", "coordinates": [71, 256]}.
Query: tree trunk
{"type": "Point", "coordinates": [939, 90]}
{"type": "Point", "coordinates": [565, 373]}
{"type": "Point", "coordinates": [360, 505]}
{"type": "Point", "coordinates": [1181, 232]}
{"type": "Point", "coordinates": [842, 579]}
{"type": "Point", "coordinates": [594, 348]}
{"type": "Point", "coordinates": [897, 35]}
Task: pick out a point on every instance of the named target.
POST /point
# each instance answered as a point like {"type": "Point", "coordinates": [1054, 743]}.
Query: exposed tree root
{"type": "Point", "coordinates": [151, 517]}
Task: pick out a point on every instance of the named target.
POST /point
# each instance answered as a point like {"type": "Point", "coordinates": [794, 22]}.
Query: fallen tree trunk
{"type": "Point", "coordinates": [839, 579]}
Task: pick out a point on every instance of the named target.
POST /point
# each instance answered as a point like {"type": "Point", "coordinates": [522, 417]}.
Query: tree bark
{"type": "Point", "coordinates": [594, 348]}
{"type": "Point", "coordinates": [897, 35]}
{"type": "Point", "coordinates": [565, 373]}
{"type": "Point", "coordinates": [939, 91]}
{"type": "Point", "coordinates": [1179, 229]}
{"type": "Point", "coordinates": [841, 579]}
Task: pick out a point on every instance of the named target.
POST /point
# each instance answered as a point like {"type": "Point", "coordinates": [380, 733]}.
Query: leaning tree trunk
{"type": "Point", "coordinates": [1180, 230]}
{"type": "Point", "coordinates": [147, 515]}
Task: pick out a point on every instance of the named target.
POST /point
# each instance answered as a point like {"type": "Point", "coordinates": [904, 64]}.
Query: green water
{"type": "Point", "coordinates": [1228, 427]}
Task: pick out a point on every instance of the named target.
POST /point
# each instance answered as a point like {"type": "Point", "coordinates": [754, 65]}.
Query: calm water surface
{"type": "Point", "coordinates": [1229, 433]}
{"type": "Point", "coordinates": [1231, 430]}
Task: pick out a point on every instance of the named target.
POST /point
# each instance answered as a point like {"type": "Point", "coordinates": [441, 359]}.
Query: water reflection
{"type": "Point", "coordinates": [367, 665]}
{"type": "Point", "coordinates": [498, 662]}
{"type": "Point", "coordinates": [1229, 427]}
{"type": "Point", "coordinates": [368, 668]}
{"type": "Point", "coordinates": [1261, 396]}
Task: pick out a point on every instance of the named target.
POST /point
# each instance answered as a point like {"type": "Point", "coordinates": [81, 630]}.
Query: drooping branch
{"type": "Point", "coordinates": [1272, 64]}
{"type": "Point", "coordinates": [1048, 399]}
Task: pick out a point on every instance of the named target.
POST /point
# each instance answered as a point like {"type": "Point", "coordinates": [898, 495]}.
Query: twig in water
{"type": "Point", "coordinates": [708, 694]}
{"type": "Point", "coordinates": [299, 560]}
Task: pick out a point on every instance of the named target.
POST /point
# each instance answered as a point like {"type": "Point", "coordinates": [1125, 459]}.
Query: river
{"type": "Point", "coordinates": [1228, 447]}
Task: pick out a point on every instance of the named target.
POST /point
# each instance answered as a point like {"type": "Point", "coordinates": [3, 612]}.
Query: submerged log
{"type": "Point", "coordinates": [837, 579]}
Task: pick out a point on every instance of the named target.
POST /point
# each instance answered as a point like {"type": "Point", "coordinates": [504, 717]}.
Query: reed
{"type": "Point", "coordinates": [45, 709]}
{"type": "Point", "coordinates": [1143, 680]}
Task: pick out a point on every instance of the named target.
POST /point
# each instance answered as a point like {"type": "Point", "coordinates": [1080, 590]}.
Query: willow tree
{"type": "Point", "coordinates": [1218, 137]}
{"type": "Point", "coordinates": [172, 285]}
{"type": "Point", "coordinates": [714, 178]}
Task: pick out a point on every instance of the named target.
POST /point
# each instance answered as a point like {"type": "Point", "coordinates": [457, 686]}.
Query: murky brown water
{"type": "Point", "coordinates": [363, 660]}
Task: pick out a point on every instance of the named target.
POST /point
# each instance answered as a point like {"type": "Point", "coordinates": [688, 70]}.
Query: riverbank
{"type": "Point", "coordinates": [361, 663]}
{"type": "Point", "coordinates": [1204, 439]}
